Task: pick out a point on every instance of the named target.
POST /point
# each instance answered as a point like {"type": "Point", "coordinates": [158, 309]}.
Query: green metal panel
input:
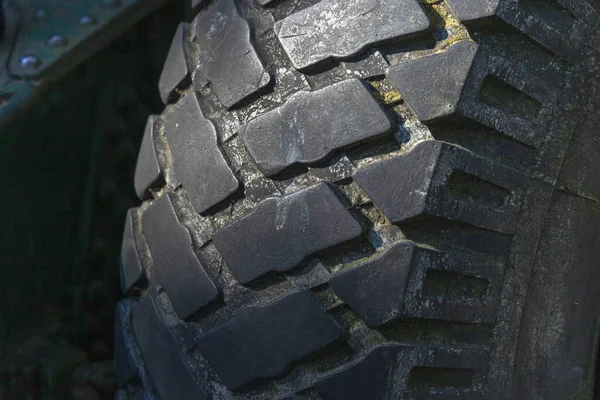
{"type": "Point", "coordinates": [44, 39]}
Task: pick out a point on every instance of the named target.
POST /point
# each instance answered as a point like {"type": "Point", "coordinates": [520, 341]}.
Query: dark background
{"type": "Point", "coordinates": [66, 181]}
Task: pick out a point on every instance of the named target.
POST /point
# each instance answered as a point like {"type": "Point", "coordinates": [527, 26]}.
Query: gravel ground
{"type": "Point", "coordinates": [67, 354]}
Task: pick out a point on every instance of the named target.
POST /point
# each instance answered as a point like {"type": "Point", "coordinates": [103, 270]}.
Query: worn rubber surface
{"type": "Point", "coordinates": [368, 199]}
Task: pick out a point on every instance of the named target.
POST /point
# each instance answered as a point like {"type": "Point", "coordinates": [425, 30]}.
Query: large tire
{"type": "Point", "coordinates": [368, 199]}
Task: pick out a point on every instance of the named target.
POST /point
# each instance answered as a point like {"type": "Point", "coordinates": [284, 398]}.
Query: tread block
{"type": "Point", "coordinates": [131, 265]}
{"type": "Point", "coordinates": [147, 171]}
{"type": "Point", "coordinates": [432, 85]}
{"type": "Point", "coordinates": [228, 60]}
{"type": "Point", "coordinates": [388, 370]}
{"type": "Point", "coordinates": [375, 289]}
{"type": "Point", "coordinates": [262, 342]}
{"type": "Point", "coordinates": [394, 285]}
{"type": "Point", "coordinates": [416, 183]}
{"type": "Point", "coordinates": [174, 264]}
{"type": "Point", "coordinates": [197, 160]}
{"type": "Point", "coordinates": [468, 10]}
{"type": "Point", "coordinates": [260, 242]}
{"type": "Point", "coordinates": [161, 354]}
{"type": "Point", "coordinates": [372, 378]}
{"type": "Point", "coordinates": [175, 69]}
{"type": "Point", "coordinates": [475, 82]}
{"type": "Point", "coordinates": [312, 124]}
{"type": "Point", "coordinates": [332, 29]}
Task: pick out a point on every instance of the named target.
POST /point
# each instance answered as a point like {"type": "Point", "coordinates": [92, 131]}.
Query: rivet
{"type": "Point", "coordinates": [56, 41]}
{"type": "Point", "coordinates": [30, 62]}
{"type": "Point", "coordinates": [87, 20]}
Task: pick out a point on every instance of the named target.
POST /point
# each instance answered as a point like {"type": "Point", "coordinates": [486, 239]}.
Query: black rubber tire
{"type": "Point", "coordinates": [368, 199]}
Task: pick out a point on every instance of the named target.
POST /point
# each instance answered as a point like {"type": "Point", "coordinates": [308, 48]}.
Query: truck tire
{"type": "Point", "coordinates": [368, 199]}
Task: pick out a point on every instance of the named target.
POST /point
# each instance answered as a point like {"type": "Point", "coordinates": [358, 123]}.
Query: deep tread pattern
{"type": "Point", "coordinates": [555, 26]}
{"type": "Point", "coordinates": [174, 264]}
{"type": "Point", "coordinates": [377, 188]}
{"type": "Point", "coordinates": [547, 22]}
{"type": "Point", "coordinates": [402, 189]}
{"type": "Point", "coordinates": [148, 173]}
{"type": "Point", "coordinates": [227, 58]}
{"type": "Point", "coordinates": [432, 85]}
{"type": "Point", "coordinates": [131, 265]}
{"type": "Point", "coordinates": [372, 378]}
{"type": "Point", "coordinates": [395, 285]}
{"type": "Point", "coordinates": [473, 82]}
{"type": "Point", "coordinates": [254, 344]}
{"type": "Point", "coordinates": [293, 133]}
{"type": "Point", "coordinates": [197, 160]}
{"type": "Point", "coordinates": [387, 371]}
{"type": "Point", "coordinates": [160, 351]}
{"type": "Point", "coordinates": [176, 69]}
{"type": "Point", "coordinates": [330, 29]}
{"type": "Point", "coordinates": [507, 105]}
{"type": "Point", "coordinates": [468, 289]}
{"type": "Point", "coordinates": [258, 243]}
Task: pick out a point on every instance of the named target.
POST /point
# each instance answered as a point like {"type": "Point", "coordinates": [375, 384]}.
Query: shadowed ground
{"type": "Point", "coordinates": [66, 173]}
